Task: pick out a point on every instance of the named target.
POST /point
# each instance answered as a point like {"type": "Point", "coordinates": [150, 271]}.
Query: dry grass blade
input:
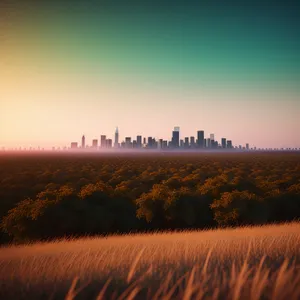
{"type": "Point", "coordinates": [133, 266]}
{"type": "Point", "coordinates": [133, 293]}
{"type": "Point", "coordinates": [71, 292]}
{"type": "Point", "coordinates": [257, 286]}
{"type": "Point", "coordinates": [215, 294]}
{"type": "Point", "coordinates": [189, 288]}
{"type": "Point", "coordinates": [280, 280]}
{"type": "Point", "coordinates": [241, 278]}
{"type": "Point", "coordinates": [129, 290]}
{"type": "Point", "coordinates": [204, 269]}
{"type": "Point", "coordinates": [102, 292]}
{"type": "Point", "coordinates": [172, 290]}
{"type": "Point", "coordinates": [163, 286]}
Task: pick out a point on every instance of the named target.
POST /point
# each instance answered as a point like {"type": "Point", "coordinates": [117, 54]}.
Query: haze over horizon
{"type": "Point", "coordinates": [84, 67]}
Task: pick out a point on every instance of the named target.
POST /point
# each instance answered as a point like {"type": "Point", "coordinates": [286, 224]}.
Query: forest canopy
{"type": "Point", "coordinates": [51, 196]}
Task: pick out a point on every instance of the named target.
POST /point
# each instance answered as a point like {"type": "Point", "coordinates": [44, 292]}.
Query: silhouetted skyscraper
{"type": "Point", "coordinates": [103, 141]}
{"type": "Point", "coordinates": [223, 142]}
{"type": "Point", "coordinates": [186, 142]}
{"type": "Point", "coordinates": [200, 139]}
{"type": "Point", "coordinates": [116, 145]}
{"type": "Point", "coordinates": [175, 137]}
{"type": "Point", "coordinates": [150, 142]}
{"type": "Point", "coordinates": [95, 144]}
{"type": "Point", "coordinates": [208, 144]}
{"type": "Point", "coordinates": [83, 142]}
{"type": "Point", "coordinates": [160, 144]}
{"type": "Point", "coordinates": [192, 142]}
{"type": "Point", "coordinates": [139, 141]}
{"type": "Point", "coordinates": [128, 143]}
{"type": "Point", "coordinates": [108, 143]}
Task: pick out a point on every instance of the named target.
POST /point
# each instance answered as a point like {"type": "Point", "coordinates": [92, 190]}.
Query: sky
{"type": "Point", "coordinates": [69, 68]}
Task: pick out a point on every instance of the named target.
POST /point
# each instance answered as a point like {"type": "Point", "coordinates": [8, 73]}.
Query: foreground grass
{"type": "Point", "coordinates": [245, 263]}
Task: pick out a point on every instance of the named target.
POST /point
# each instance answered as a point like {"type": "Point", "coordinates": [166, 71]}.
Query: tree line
{"type": "Point", "coordinates": [52, 196]}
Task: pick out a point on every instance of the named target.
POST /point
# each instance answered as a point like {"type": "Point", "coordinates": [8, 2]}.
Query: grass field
{"type": "Point", "coordinates": [243, 263]}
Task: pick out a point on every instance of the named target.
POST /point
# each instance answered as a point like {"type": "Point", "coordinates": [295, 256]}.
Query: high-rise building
{"type": "Point", "coordinates": [208, 144]}
{"type": "Point", "coordinates": [212, 140]}
{"type": "Point", "coordinates": [103, 141]}
{"type": "Point", "coordinates": [139, 141]}
{"type": "Point", "coordinates": [223, 142]}
{"type": "Point", "coordinates": [116, 144]}
{"type": "Point", "coordinates": [247, 146]}
{"type": "Point", "coordinates": [160, 144]}
{"type": "Point", "coordinates": [229, 144]}
{"type": "Point", "coordinates": [150, 142]}
{"type": "Point", "coordinates": [144, 141]}
{"type": "Point", "coordinates": [74, 145]}
{"type": "Point", "coordinates": [175, 137]}
{"type": "Point", "coordinates": [192, 142]}
{"type": "Point", "coordinates": [200, 139]}
{"type": "Point", "coordinates": [181, 144]}
{"type": "Point", "coordinates": [83, 142]}
{"type": "Point", "coordinates": [108, 143]}
{"type": "Point", "coordinates": [186, 142]}
{"type": "Point", "coordinates": [95, 144]}
{"type": "Point", "coordinates": [128, 142]}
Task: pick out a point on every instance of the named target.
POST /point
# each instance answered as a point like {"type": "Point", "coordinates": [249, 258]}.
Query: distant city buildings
{"type": "Point", "coordinates": [188, 143]}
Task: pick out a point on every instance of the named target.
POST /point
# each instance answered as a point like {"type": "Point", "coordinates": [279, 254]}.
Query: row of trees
{"type": "Point", "coordinates": [122, 194]}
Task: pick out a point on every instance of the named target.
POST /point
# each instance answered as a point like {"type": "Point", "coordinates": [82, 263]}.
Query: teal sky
{"type": "Point", "coordinates": [198, 55]}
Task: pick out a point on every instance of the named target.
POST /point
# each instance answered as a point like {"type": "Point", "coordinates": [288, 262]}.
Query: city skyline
{"type": "Point", "coordinates": [83, 67]}
{"type": "Point", "coordinates": [201, 141]}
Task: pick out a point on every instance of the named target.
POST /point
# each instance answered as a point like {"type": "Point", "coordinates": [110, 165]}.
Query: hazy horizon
{"type": "Point", "coordinates": [85, 67]}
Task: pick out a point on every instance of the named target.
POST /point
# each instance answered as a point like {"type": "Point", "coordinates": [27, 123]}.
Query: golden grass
{"type": "Point", "coordinates": [242, 263]}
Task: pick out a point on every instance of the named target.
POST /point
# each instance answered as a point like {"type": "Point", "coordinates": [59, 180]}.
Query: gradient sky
{"type": "Point", "coordinates": [69, 68]}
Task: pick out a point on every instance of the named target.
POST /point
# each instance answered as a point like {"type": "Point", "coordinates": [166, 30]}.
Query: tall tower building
{"type": "Point", "coordinates": [103, 141]}
{"type": "Point", "coordinates": [223, 142]}
{"type": "Point", "coordinates": [116, 145]}
{"type": "Point", "coordinates": [139, 141]}
{"type": "Point", "coordinates": [200, 139]}
{"type": "Point", "coordinates": [175, 137]}
{"type": "Point", "coordinates": [186, 142]}
{"type": "Point", "coordinates": [83, 142]}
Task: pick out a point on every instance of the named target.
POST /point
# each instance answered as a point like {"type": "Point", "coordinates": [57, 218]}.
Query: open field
{"type": "Point", "coordinates": [244, 263]}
